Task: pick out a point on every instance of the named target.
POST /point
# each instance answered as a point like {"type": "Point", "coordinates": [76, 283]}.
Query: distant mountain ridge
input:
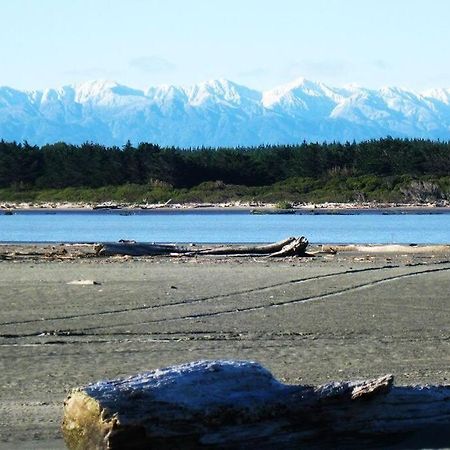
{"type": "Point", "coordinates": [221, 113]}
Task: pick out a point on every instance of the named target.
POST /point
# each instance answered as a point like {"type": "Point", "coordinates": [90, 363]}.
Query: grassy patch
{"type": "Point", "coordinates": [332, 188]}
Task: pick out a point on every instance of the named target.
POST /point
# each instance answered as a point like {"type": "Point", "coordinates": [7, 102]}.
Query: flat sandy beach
{"type": "Point", "coordinates": [355, 314]}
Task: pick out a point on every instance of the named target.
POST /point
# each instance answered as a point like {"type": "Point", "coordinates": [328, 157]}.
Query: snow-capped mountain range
{"type": "Point", "coordinates": [221, 113]}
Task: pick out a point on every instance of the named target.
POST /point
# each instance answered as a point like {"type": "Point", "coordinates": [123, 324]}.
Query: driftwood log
{"type": "Point", "coordinates": [288, 247]}
{"type": "Point", "coordinates": [240, 405]}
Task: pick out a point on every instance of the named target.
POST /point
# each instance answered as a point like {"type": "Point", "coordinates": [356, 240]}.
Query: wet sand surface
{"type": "Point", "coordinates": [310, 320]}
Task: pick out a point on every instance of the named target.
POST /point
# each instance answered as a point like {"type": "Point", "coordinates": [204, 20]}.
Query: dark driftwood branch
{"type": "Point", "coordinates": [239, 405]}
{"type": "Point", "coordinates": [288, 247]}
{"type": "Point", "coordinates": [137, 249]}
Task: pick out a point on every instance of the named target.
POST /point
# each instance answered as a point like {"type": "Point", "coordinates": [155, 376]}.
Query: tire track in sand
{"type": "Point", "coordinates": [197, 300]}
{"type": "Point", "coordinates": [274, 304]}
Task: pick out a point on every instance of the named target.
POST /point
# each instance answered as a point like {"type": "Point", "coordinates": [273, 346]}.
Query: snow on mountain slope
{"type": "Point", "coordinates": [222, 92]}
{"type": "Point", "coordinates": [442, 95]}
{"type": "Point", "coordinates": [220, 113]}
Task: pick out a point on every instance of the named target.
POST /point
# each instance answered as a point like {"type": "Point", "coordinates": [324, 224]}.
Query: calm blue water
{"type": "Point", "coordinates": [226, 227]}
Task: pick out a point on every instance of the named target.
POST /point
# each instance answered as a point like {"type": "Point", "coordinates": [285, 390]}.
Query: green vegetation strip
{"type": "Point", "coordinates": [385, 170]}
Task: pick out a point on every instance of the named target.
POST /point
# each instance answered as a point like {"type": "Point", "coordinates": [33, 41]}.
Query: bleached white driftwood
{"type": "Point", "coordinates": [240, 405]}
{"type": "Point", "coordinates": [287, 247]}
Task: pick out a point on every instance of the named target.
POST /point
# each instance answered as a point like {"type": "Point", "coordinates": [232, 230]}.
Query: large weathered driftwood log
{"type": "Point", "coordinates": [239, 405]}
{"type": "Point", "coordinates": [287, 247]}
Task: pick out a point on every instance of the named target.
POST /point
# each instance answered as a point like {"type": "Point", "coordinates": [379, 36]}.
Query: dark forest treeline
{"type": "Point", "coordinates": [91, 165]}
{"type": "Point", "coordinates": [59, 166]}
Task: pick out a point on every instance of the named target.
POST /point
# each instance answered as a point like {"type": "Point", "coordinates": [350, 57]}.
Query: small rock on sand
{"type": "Point", "coordinates": [84, 282]}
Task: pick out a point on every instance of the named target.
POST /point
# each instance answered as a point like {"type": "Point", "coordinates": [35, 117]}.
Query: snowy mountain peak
{"type": "Point", "coordinates": [302, 97]}
{"type": "Point", "coordinates": [222, 92]}
{"type": "Point", "coordinates": [442, 95]}
{"type": "Point", "coordinates": [221, 113]}
{"type": "Point", "coordinates": [95, 89]}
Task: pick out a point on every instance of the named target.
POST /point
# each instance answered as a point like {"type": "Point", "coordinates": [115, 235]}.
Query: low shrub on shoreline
{"type": "Point", "coordinates": [335, 188]}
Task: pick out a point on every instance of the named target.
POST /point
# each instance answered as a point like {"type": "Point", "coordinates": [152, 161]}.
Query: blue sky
{"type": "Point", "coordinates": [259, 43]}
